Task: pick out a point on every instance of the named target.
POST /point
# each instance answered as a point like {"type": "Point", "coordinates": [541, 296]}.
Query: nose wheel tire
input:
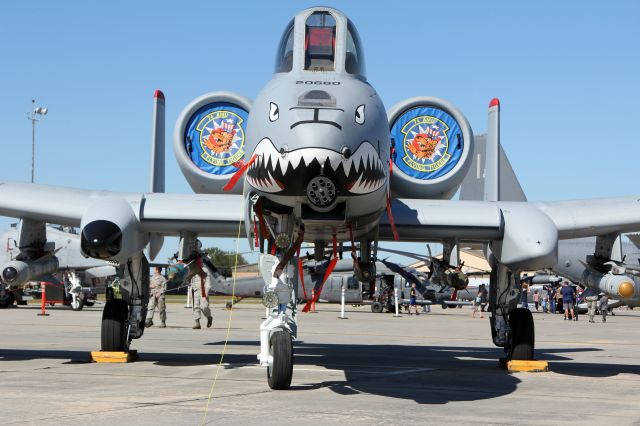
{"type": "Point", "coordinates": [114, 326]}
{"type": "Point", "coordinates": [523, 334]}
{"type": "Point", "coordinates": [280, 372]}
{"type": "Point", "coordinates": [77, 303]}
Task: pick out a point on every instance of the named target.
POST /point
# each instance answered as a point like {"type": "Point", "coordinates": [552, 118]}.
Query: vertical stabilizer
{"type": "Point", "coordinates": [156, 182]}
{"type": "Point", "coordinates": [491, 176]}
{"type": "Point", "coordinates": [492, 159]}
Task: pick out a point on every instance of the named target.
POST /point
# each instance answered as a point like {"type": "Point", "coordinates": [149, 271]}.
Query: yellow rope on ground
{"type": "Point", "coordinates": [226, 339]}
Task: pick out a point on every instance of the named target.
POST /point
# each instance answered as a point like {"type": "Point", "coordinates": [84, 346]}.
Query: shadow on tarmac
{"type": "Point", "coordinates": [425, 374]}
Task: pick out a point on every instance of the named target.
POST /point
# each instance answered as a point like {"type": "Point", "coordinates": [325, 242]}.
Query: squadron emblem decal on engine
{"type": "Point", "coordinates": [221, 138]}
{"type": "Point", "coordinates": [215, 138]}
{"type": "Point", "coordinates": [427, 142]}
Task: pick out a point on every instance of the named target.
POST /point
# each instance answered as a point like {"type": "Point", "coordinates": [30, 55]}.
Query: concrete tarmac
{"type": "Point", "coordinates": [436, 368]}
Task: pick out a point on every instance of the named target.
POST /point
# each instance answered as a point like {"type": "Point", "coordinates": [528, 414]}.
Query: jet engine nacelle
{"type": "Point", "coordinates": [19, 272]}
{"type": "Point", "coordinates": [209, 141]}
{"type": "Point", "coordinates": [432, 146]}
{"type": "Point", "coordinates": [109, 230]}
{"type": "Point", "coordinates": [618, 286]}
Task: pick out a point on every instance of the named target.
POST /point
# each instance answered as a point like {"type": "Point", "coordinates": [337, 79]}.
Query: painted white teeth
{"type": "Point", "coordinates": [365, 158]}
{"type": "Point", "coordinates": [294, 158]}
{"type": "Point", "coordinates": [283, 162]}
{"type": "Point", "coordinates": [346, 164]}
{"type": "Point", "coordinates": [335, 161]}
{"type": "Point", "coordinates": [367, 185]}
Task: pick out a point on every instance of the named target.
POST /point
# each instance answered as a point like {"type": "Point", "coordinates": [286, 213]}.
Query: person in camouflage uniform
{"type": "Point", "coordinates": [198, 283]}
{"type": "Point", "coordinates": [592, 302]}
{"type": "Point", "coordinates": [157, 286]}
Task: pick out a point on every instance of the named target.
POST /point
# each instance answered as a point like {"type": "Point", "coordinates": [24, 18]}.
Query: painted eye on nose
{"type": "Point", "coordinates": [360, 114]}
{"type": "Point", "coordinates": [274, 112]}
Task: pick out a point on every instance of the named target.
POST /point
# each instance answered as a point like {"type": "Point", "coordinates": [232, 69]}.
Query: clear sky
{"type": "Point", "coordinates": [566, 74]}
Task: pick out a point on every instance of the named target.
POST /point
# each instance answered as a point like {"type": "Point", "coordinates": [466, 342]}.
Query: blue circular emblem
{"type": "Point", "coordinates": [214, 138]}
{"type": "Point", "coordinates": [427, 142]}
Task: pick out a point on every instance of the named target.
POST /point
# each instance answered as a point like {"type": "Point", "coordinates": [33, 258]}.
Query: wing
{"type": "Point", "coordinates": [429, 220]}
{"type": "Point", "coordinates": [166, 214]}
{"type": "Point", "coordinates": [129, 220]}
{"type": "Point", "coordinates": [520, 232]}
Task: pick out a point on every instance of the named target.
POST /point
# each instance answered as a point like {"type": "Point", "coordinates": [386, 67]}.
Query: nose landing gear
{"type": "Point", "coordinates": [280, 327]}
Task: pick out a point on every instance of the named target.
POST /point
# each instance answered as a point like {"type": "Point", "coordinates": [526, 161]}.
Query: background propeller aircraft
{"type": "Point", "coordinates": [316, 157]}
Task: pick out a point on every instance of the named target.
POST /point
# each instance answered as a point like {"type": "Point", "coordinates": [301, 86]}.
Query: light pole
{"type": "Point", "coordinates": [35, 111]}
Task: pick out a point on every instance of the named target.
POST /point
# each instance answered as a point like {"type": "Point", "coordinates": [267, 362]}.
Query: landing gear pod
{"type": "Point", "coordinates": [209, 140]}
{"type": "Point", "coordinates": [431, 148]}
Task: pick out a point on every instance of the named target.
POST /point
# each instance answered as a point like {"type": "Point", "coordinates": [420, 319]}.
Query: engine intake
{"type": "Point", "coordinates": [431, 144]}
{"type": "Point", "coordinates": [209, 140]}
{"type": "Point", "coordinates": [101, 239]}
{"type": "Point", "coordinates": [110, 229]}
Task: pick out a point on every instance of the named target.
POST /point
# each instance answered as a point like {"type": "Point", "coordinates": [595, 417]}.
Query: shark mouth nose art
{"type": "Point", "coordinates": [359, 173]}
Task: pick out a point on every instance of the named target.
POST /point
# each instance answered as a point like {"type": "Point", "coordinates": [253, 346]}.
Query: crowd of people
{"type": "Point", "coordinates": [562, 298]}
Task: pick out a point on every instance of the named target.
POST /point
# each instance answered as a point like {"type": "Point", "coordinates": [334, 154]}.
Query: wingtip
{"type": "Point", "coordinates": [158, 94]}
{"type": "Point", "coordinates": [494, 102]}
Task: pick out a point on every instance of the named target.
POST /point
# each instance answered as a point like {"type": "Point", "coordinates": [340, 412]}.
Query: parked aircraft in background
{"type": "Point", "coordinates": [311, 281]}
{"type": "Point", "coordinates": [619, 277]}
{"type": "Point", "coordinates": [47, 254]}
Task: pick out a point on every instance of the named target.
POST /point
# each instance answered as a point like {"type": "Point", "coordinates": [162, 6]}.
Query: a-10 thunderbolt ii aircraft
{"type": "Point", "coordinates": [45, 251]}
{"type": "Point", "coordinates": [316, 157]}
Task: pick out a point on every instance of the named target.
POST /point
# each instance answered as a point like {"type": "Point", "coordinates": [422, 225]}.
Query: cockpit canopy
{"type": "Point", "coordinates": [322, 44]}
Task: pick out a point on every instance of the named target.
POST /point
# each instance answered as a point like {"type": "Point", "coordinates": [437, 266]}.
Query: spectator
{"type": "Point", "coordinates": [413, 294]}
{"type": "Point", "coordinates": [484, 296]}
{"type": "Point", "coordinates": [604, 307]}
{"type": "Point", "coordinates": [552, 299]}
{"type": "Point", "coordinates": [545, 300]}
{"type": "Point", "coordinates": [558, 297]}
{"type": "Point", "coordinates": [524, 293]}
{"type": "Point", "coordinates": [568, 295]}
{"type": "Point", "coordinates": [591, 303]}
{"type": "Point", "coordinates": [476, 305]}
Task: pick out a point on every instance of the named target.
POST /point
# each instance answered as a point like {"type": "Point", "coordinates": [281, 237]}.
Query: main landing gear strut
{"type": "Point", "coordinates": [511, 327]}
{"type": "Point", "coordinates": [126, 308]}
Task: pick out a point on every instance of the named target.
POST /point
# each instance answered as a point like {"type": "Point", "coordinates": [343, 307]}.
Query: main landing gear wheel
{"type": "Point", "coordinates": [114, 326]}
{"type": "Point", "coordinates": [280, 371]}
{"type": "Point", "coordinates": [7, 299]}
{"type": "Point", "coordinates": [376, 307]}
{"type": "Point", "coordinates": [523, 334]}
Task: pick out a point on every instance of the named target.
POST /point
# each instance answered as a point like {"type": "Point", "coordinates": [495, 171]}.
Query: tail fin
{"type": "Point", "coordinates": [492, 154]}
{"type": "Point", "coordinates": [156, 181]}
{"type": "Point", "coordinates": [491, 176]}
